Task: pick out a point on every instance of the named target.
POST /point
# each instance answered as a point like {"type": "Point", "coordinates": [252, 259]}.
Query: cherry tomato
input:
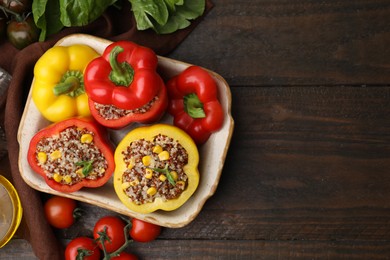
{"type": "Point", "coordinates": [113, 228]}
{"type": "Point", "coordinates": [22, 33]}
{"type": "Point", "coordinates": [60, 212]}
{"type": "Point", "coordinates": [17, 6]}
{"type": "Point", "coordinates": [125, 256]}
{"type": "Point", "coordinates": [82, 248]}
{"type": "Point", "coordinates": [142, 231]}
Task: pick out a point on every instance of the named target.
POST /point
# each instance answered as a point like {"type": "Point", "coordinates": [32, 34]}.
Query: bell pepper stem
{"type": "Point", "coordinates": [122, 73]}
{"type": "Point", "coordinates": [69, 85]}
{"type": "Point", "coordinates": [193, 106]}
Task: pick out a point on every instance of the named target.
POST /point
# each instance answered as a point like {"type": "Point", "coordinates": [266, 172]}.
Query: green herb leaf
{"type": "Point", "coordinates": [171, 4]}
{"type": "Point", "coordinates": [170, 178]}
{"type": "Point", "coordinates": [87, 167]}
{"type": "Point", "coordinates": [148, 12]}
{"type": "Point", "coordinates": [82, 12]}
{"type": "Point", "coordinates": [180, 19]}
{"type": "Point", "coordinates": [167, 173]}
{"type": "Point", "coordinates": [46, 15]}
{"type": "Point", "coordinates": [51, 16]}
{"type": "Point", "coordinates": [166, 16]}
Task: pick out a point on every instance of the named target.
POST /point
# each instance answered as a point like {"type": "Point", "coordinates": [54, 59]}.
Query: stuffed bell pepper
{"type": "Point", "coordinates": [58, 86]}
{"type": "Point", "coordinates": [72, 154]}
{"type": "Point", "coordinates": [156, 167]}
{"type": "Point", "coordinates": [123, 86]}
{"type": "Point", "coordinates": [194, 104]}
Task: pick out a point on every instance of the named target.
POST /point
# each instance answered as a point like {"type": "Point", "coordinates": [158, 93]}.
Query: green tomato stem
{"type": "Point", "coordinates": [18, 17]}
{"type": "Point", "coordinates": [77, 213]}
{"type": "Point", "coordinates": [125, 244]}
{"type": "Point", "coordinates": [83, 253]}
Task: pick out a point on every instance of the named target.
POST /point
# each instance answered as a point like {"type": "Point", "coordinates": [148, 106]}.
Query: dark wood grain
{"type": "Point", "coordinates": [283, 42]}
{"type": "Point", "coordinates": [236, 249]}
{"type": "Point", "coordinates": [307, 172]}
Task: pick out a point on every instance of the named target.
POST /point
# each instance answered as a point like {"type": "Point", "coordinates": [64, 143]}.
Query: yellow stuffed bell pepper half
{"type": "Point", "coordinates": [58, 85]}
{"type": "Point", "coordinates": [156, 168]}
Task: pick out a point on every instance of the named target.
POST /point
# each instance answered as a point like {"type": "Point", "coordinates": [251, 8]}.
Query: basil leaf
{"type": "Point", "coordinates": [171, 4]}
{"type": "Point", "coordinates": [46, 15]}
{"type": "Point", "coordinates": [82, 12]}
{"type": "Point", "coordinates": [191, 9]}
{"type": "Point", "coordinates": [38, 9]}
{"type": "Point", "coordinates": [87, 167]}
{"type": "Point", "coordinates": [148, 12]}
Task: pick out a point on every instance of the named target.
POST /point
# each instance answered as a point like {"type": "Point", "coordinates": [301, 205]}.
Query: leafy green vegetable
{"type": "Point", "coordinates": [147, 12]}
{"type": "Point", "coordinates": [163, 16]}
{"type": "Point", "coordinates": [151, 14]}
{"type": "Point", "coordinates": [51, 16]}
{"type": "Point", "coordinates": [171, 4]}
{"type": "Point", "coordinates": [82, 12]}
{"type": "Point", "coordinates": [46, 15]}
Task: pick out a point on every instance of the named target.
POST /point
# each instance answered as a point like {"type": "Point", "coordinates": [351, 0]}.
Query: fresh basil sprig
{"type": "Point", "coordinates": [163, 16]}
{"type": "Point", "coordinates": [166, 16]}
{"type": "Point", "coordinates": [87, 167]}
{"type": "Point", "coordinates": [51, 16]}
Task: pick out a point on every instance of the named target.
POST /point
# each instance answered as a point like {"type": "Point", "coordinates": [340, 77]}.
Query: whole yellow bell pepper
{"type": "Point", "coordinates": [58, 85]}
{"type": "Point", "coordinates": [156, 167]}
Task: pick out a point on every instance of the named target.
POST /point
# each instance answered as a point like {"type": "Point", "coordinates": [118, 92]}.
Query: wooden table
{"type": "Point", "coordinates": [307, 172]}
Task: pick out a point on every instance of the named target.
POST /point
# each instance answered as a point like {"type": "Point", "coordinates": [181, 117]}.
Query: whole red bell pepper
{"type": "Point", "coordinates": [124, 81]}
{"type": "Point", "coordinates": [72, 154]}
{"type": "Point", "coordinates": [194, 104]}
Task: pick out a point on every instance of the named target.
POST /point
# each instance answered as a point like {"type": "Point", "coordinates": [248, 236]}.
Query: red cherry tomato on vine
{"type": "Point", "coordinates": [82, 248]}
{"type": "Point", "coordinates": [125, 256]}
{"type": "Point", "coordinates": [60, 212]}
{"type": "Point", "coordinates": [142, 231]}
{"type": "Point", "coordinates": [112, 228]}
{"type": "Point", "coordinates": [22, 33]}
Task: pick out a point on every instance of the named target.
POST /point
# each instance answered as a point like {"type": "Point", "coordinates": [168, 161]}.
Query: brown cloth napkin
{"type": "Point", "coordinates": [114, 25]}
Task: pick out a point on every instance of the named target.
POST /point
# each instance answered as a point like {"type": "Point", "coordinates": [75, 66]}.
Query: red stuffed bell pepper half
{"type": "Point", "coordinates": [72, 154]}
{"type": "Point", "coordinates": [194, 104]}
{"type": "Point", "coordinates": [123, 86]}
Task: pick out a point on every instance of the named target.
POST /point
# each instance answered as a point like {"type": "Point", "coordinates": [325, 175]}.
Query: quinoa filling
{"type": "Point", "coordinates": [71, 156]}
{"type": "Point", "coordinates": [111, 112]}
{"type": "Point", "coordinates": [155, 169]}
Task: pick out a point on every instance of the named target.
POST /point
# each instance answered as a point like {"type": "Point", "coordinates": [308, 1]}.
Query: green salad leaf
{"type": "Point", "coordinates": [166, 16]}
{"type": "Point", "coordinates": [163, 16]}
{"type": "Point", "coordinates": [51, 16]}
{"type": "Point", "coordinates": [171, 4]}
{"type": "Point", "coordinates": [82, 12]}
{"type": "Point", "coordinates": [46, 15]}
{"type": "Point", "coordinates": [148, 12]}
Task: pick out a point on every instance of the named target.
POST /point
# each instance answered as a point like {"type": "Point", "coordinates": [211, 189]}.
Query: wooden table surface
{"type": "Point", "coordinates": [307, 174]}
